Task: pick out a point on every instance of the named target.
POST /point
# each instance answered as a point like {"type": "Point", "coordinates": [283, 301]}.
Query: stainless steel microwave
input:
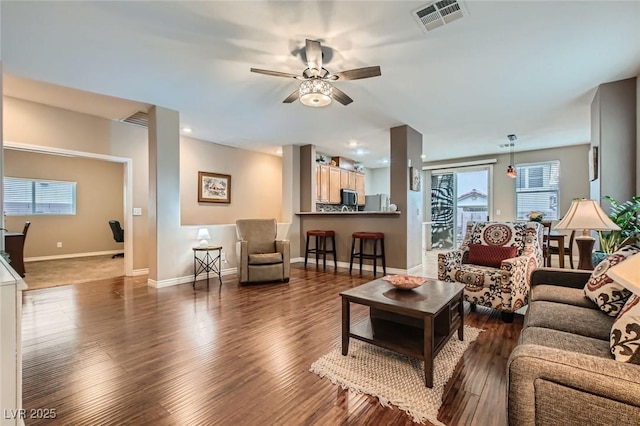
{"type": "Point", "coordinates": [348, 197]}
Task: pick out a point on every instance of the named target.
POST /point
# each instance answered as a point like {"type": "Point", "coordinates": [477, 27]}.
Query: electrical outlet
{"type": "Point", "coordinates": [137, 211]}
{"type": "Point", "coordinates": [59, 244]}
{"type": "Point", "coordinates": [498, 212]}
{"type": "Point", "coordinates": [223, 257]}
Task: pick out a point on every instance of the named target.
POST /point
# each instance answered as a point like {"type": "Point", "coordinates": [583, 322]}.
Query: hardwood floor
{"type": "Point", "coordinates": [118, 352]}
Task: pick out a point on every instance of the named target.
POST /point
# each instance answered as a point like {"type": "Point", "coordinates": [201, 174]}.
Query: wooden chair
{"type": "Point", "coordinates": [27, 224]}
{"type": "Point", "coordinates": [568, 250]}
{"type": "Point", "coordinates": [546, 253]}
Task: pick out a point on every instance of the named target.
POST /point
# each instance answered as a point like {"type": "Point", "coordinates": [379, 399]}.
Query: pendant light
{"type": "Point", "coordinates": [511, 171]}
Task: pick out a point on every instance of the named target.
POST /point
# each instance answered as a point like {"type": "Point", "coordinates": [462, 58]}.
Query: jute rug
{"type": "Point", "coordinates": [393, 378]}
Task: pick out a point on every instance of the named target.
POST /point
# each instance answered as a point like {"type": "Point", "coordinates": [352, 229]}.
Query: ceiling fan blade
{"type": "Point", "coordinates": [274, 73]}
{"type": "Point", "coordinates": [314, 55]}
{"type": "Point", "coordinates": [357, 73]}
{"type": "Point", "coordinates": [341, 97]}
{"type": "Point", "coordinates": [292, 97]}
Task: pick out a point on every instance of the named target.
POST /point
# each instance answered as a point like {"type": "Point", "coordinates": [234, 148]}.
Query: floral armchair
{"type": "Point", "coordinates": [504, 287]}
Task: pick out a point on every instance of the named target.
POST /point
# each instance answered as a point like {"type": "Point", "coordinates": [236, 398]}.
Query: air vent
{"type": "Point", "coordinates": [507, 145]}
{"type": "Point", "coordinates": [437, 14]}
{"type": "Point", "coordinates": [139, 118]}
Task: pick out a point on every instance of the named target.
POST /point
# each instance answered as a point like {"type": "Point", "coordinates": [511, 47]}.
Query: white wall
{"type": "Point", "coordinates": [574, 176]}
{"type": "Point", "coordinates": [36, 124]}
{"type": "Point", "coordinates": [378, 181]}
{"type": "Point", "coordinates": [256, 183]}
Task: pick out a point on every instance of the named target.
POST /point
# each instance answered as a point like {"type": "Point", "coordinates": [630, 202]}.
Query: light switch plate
{"type": "Point", "coordinates": [137, 211]}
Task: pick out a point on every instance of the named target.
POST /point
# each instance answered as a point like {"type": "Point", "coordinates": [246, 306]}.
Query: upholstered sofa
{"type": "Point", "coordinates": [490, 278]}
{"type": "Point", "coordinates": [562, 371]}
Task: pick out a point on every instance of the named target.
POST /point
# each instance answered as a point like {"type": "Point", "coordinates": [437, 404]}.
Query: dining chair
{"type": "Point", "coordinates": [546, 253]}
{"type": "Point", "coordinates": [568, 249]}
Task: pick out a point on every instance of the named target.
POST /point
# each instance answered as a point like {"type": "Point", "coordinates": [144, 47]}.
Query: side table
{"type": "Point", "coordinates": [206, 261]}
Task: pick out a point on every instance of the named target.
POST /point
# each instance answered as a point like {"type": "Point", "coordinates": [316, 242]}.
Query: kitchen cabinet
{"type": "Point", "coordinates": [11, 288]}
{"type": "Point", "coordinates": [334, 185]}
{"type": "Point", "coordinates": [330, 180]}
{"type": "Point", "coordinates": [344, 178]}
{"type": "Point", "coordinates": [323, 183]}
{"type": "Point", "coordinates": [359, 177]}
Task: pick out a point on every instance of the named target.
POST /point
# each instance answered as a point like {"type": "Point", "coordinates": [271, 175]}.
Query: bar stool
{"type": "Point", "coordinates": [364, 236]}
{"type": "Point", "coordinates": [321, 247]}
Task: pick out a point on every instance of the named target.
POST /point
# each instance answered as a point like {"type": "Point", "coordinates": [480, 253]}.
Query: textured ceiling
{"type": "Point", "coordinates": [528, 68]}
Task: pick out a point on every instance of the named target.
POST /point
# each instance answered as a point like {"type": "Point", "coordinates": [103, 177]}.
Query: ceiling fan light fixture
{"type": "Point", "coordinates": [315, 93]}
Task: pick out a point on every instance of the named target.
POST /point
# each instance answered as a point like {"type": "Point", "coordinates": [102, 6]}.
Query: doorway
{"type": "Point", "coordinates": [458, 196]}
{"type": "Point", "coordinates": [126, 190]}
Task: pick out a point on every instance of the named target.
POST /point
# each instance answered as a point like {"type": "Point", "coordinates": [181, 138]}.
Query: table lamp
{"type": "Point", "coordinates": [586, 215]}
{"type": "Point", "coordinates": [627, 273]}
{"type": "Point", "coordinates": [204, 237]}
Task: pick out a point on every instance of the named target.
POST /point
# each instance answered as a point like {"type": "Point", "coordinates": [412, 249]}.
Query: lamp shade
{"type": "Point", "coordinates": [627, 273]}
{"type": "Point", "coordinates": [315, 93]}
{"type": "Point", "coordinates": [586, 214]}
{"type": "Point", "coordinates": [203, 236]}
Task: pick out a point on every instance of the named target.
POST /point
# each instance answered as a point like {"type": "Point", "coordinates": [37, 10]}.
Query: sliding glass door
{"type": "Point", "coordinates": [457, 197]}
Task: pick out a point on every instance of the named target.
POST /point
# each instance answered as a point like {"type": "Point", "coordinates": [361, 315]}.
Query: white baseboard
{"type": "Point", "coordinates": [416, 270]}
{"type": "Point", "coordinates": [356, 266]}
{"type": "Point", "coordinates": [72, 255]}
{"type": "Point", "coordinates": [187, 279]}
{"type": "Point", "coordinates": [231, 271]}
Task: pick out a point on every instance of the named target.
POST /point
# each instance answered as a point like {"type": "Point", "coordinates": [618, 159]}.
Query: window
{"type": "Point", "coordinates": [537, 189]}
{"type": "Point", "coordinates": [38, 197]}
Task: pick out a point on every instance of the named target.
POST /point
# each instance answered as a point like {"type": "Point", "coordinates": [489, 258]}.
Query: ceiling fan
{"type": "Point", "coordinates": [316, 89]}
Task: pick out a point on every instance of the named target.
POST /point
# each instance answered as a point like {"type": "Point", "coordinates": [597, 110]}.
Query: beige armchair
{"type": "Point", "coordinates": [261, 258]}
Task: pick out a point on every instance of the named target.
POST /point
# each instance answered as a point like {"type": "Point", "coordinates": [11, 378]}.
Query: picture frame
{"type": "Point", "coordinates": [414, 176]}
{"type": "Point", "coordinates": [214, 188]}
{"type": "Point", "coordinates": [593, 163]}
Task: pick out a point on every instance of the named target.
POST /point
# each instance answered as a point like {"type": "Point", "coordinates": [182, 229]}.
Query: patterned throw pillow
{"type": "Point", "coordinates": [608, 294]}
{"type": "Point", "coordinates": [500, 234]}
{"type": "Point", "coordinates": [625, 333]}
{"type": "Point", "coordinates": [480, 254]}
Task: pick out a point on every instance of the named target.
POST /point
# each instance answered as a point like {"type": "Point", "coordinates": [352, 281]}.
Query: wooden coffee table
{"type": "Point", "coordinates": [416, 323]}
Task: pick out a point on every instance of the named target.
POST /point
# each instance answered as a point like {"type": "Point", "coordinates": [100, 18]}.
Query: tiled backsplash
{"type": "Point", "coordinates": [333, 208]}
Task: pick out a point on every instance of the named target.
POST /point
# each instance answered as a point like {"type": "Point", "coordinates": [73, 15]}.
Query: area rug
{"type": "Point", "coordinates": [393, 378]}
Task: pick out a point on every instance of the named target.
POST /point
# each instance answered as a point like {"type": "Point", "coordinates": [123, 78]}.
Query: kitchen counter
{"type": "Point", "coordinates": [349, 213]}
{"type": "Point", "coordinates": [344, 224]}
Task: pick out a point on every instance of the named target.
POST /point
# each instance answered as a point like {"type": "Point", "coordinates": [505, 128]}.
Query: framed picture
{"type": "Point", "coordinates": [214, 188]}
{"type": "Point", "coordinates": [593, 163]}
{"type": "Point", "coordinates": [414, 175]}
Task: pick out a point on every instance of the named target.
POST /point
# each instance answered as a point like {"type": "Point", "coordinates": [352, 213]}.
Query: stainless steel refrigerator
{"type": "Point", "coordinates": [376, 203]}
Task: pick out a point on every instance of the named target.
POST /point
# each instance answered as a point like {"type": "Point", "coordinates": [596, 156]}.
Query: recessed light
{"type": "Point", "coordinates": [353, 143]}
{"type": "Point", "coordinates": [359, 151]}
{"type": "Point", "coordinates": [187, 129]}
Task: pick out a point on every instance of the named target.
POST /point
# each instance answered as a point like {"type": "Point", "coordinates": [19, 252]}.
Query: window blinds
{"type": "Point", "coordinates": [23, 197]}
{"type": "Point", "coordinates": [537, 189]}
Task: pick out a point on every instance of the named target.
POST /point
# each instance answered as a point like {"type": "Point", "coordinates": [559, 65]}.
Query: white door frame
{"type": "Point", "coordinates": [470, 168]}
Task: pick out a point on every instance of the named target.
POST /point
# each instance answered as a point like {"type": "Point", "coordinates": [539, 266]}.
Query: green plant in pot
{"type": "Point", "coordinates": [627, 216]}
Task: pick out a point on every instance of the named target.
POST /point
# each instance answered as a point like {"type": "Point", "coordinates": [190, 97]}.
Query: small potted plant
{"type": "Point", "coordinates": [536, 216]}
{"type": "Point", "coordinates": [627, 216]}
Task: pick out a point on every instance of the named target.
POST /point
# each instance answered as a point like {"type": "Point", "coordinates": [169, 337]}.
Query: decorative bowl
{"type": "Point", "coordinates": [405, 282]}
